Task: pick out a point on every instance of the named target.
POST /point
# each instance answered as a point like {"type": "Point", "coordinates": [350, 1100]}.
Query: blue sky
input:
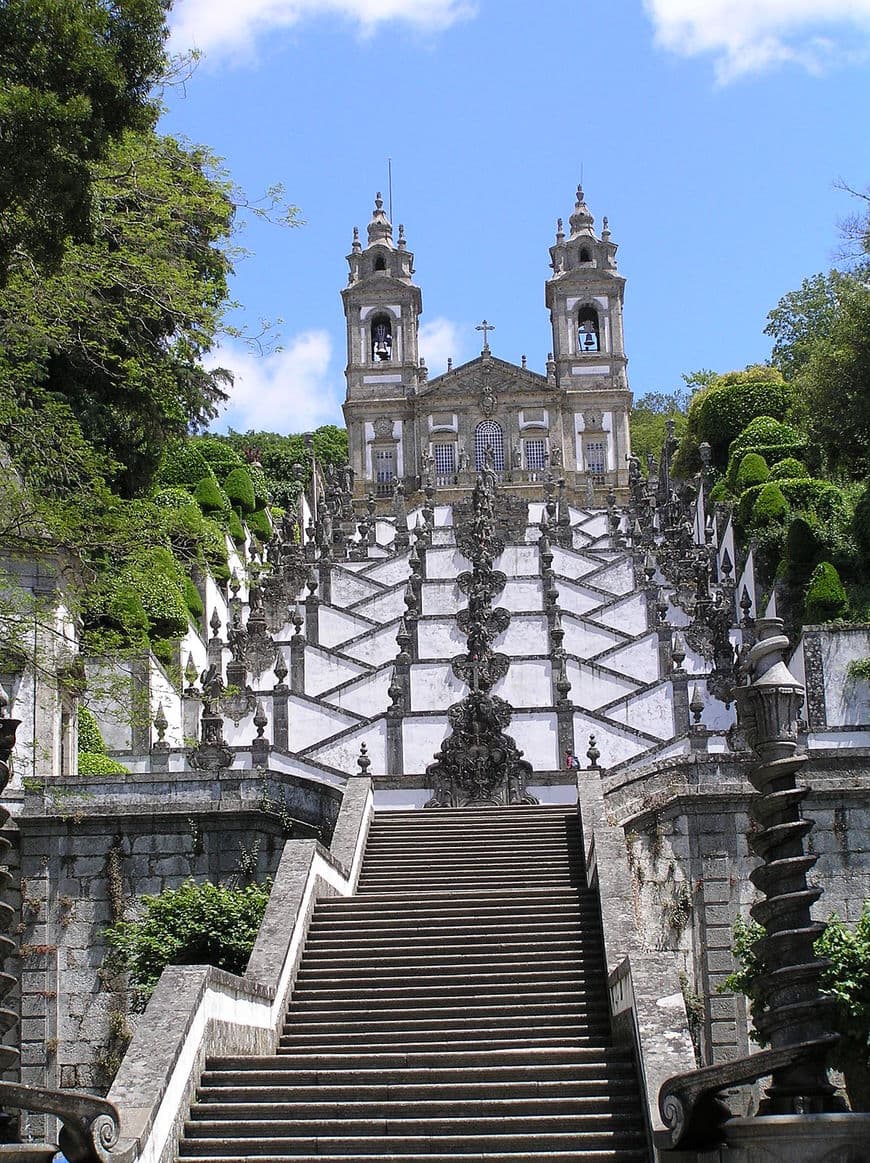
{"type": "Point", "coordinates": [711, 132]}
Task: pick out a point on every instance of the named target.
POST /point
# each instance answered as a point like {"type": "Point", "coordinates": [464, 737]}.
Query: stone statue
{"type": "Point", "coordinates": [556, 456]}
{"type": "Point", "coordinates": [463, 459]}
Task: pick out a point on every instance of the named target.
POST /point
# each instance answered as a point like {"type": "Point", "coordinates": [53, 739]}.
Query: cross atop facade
{"type": "Point", "coordinates": [485, 327]}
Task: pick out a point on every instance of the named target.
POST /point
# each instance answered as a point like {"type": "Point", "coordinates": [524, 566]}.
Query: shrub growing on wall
{"type": "Point", "coordinates": [195, 924]}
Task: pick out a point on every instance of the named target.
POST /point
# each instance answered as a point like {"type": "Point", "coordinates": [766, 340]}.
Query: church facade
{"type": "Point", "coordinates": [570, 423]}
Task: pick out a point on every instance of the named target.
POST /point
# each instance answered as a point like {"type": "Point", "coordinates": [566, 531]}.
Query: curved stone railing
{"type": "Point", "coordinates": [198, 1011]}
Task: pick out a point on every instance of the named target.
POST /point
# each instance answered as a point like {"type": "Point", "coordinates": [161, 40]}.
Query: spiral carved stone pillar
{"type": "Point", "coordinates": [793, 1012]}
{"type": "Point", "coordinates": [9, 1055]}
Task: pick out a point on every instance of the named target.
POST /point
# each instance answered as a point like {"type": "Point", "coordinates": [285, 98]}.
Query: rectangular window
{"type": "Point", "coordinates": [385, 469]}
{"type": "Point", "coordinates": [595, 452]}
{"type": "Point", "coordinates": [445, 459]}
{"type": "Point", "coordinates": [536, 454]}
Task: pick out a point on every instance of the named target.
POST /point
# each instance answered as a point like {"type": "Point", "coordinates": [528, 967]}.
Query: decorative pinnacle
{"type": "Point", "coordinates": [260, 720]}
{"type": "Point", "coordinates": [593, 754]}
{"type": "Point", "coordinates": [363, 762]}
{"type": "Point", "coordinates": [380, 228]}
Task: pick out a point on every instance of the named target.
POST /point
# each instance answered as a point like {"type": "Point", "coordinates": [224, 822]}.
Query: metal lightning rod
{"type": "Point", "coordinates": [390, 185]}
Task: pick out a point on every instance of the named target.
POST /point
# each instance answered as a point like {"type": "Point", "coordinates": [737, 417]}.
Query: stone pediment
{"type": "Point", "coordinates": [485, 373]}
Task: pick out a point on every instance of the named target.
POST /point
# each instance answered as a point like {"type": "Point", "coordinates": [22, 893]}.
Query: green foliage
{"type": "Point", "coordinates": [195, 924]}
{"type": "Point", "coordinates": [210, 496]}
{"type": "Point", "coordinates": [753, 470]}
{"type": "Point", "coordinates": [766, 432]}
{"type": "Point", "coordinates": [845, 977]}
{"type": "Point", "coordinates": [192, 599]}
{"type": "Point", "coordinates": [74, 75]}
{"type": "Point", "coordinates": [259, 524]}
{"type": "Point", "coordinates": [770, 506]}
{"type": "Point", "coordinates": [788, 469]}
{"type": "Point", "coordinates": [120, 329]}
{"type": "Point", "coordinates": [182, 466]}
{"type": "Point", "coordinates": [719, 412]}
{"type": "Point", "coordinates": [648, 419]}
{"type": "Point", "coordinates": [96, 763]}
{"type": "Point", "coordinates": [802, 318]}
{"type": "Point", "coordinates": [802, 542]}
{"type": "Point", "coordinates": [861, 525]}
{"type": "Point", "coordinates": [240, 489]}
{"type": "Point", "coordinates": [90, 736]}
{"type": "Point", "coordinates": [859, 668]}
{"type": "Point", "coordinates": [221, 457]}
{"type": "Point", "coordinates": [826, 596]}
{"type": "Point", "coordinates": [236, 529]}
{"type": "Point", "coordinates": [286, 461]}
{"type": "Point", "coordinates": [158, 580]}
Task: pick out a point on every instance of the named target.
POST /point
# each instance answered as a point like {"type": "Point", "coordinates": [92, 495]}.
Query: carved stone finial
{"type": "Point", "coordinates": [363, 762]}
{"type": "Point", "coordinates": [281, 670]}
{"type": "Point", "coordinates": [260, 720]}
{"type": "Point", "coordinates": [215, 623]}
{"type": "Point", "coordinates": [190, 675]}
{"type": "Point", "coordinates": [161, 724]}
{"type": "Point", "coordinates": [696, 706]}
{"type": "Point", "coordinates": [592, 753]}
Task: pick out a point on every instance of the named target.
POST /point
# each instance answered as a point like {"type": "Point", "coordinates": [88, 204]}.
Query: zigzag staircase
{"type": "Point", "coordinates": [456, 1008]}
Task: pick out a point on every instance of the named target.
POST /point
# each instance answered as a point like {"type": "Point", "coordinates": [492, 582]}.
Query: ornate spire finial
{"type": "Point", "coordinates": [380, 228]}
{"type": "Point", "coordinates": [581, 220]}
{"type": "Point", "coordinates": [363, 762]}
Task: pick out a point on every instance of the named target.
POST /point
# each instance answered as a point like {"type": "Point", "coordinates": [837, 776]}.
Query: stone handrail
{"type": "Point", "coordinates": [646, 1005]}
{"type": "Point", "coordinates": [89, 1125]}
{"type": "Point", "coordinates": [198, 1011]}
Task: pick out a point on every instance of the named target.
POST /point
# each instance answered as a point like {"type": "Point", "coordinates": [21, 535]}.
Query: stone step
{"type": "Point", "coordinates": [507, 940]}
{"type": "Point", "coordinates": [519, 1037]}
{"type": "Point", "coordinates": [419, 1018]}
{"type": "Point", "coordinates": [426, 959]}
{"type": "Point", "coordinates": [581, 1155]}
{"type": "Point", "coordinates": [268, 1126]}
{"type": "Point", "coordinates": [459, 984]}
{"type": "Point", "coordinates": [433, 1096]}
{"type": "Point", "coordinates": [492, 989]}
{"type": "Point", "coordinates": [239, 1147]}
{"type": "Point", "coordinates": [457, 902]}
{"type": "Point", "coordinates": [406, 1106]}
{"type": "Point", "coordinates": [456, 928]}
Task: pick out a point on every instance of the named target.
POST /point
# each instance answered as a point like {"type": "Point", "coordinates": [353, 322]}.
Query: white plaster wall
{"type": "Point", "coordinates": [441, 597]}
{"type": "Point", "coordinates": [401, 800]}
{"type": "Point", "coordinates": [344, 752]}
{"type": "Point", "coordinates": [617, 578]}
{"type": "Point", "coordinates": [519, 561]}
{"type": "Point", "coordinates": [587, 641]}
{"type": "Point", "coordinates": [163, 692]}
{"type": "Point", "coordinates": [569, 564]}
{"type": "Point", "coordinates": [716, 716]}
{"type": "Point", "coordinates": [443, 536]}
{"type": "Point", "coordinates": [526, 684]}
{"type": "Point", "coordinates": [376, 648]}
{"type": "Point", "coordinates": [324, 671]}
{"type": "Point", "coordinates": [311, 722]}
{"type": "Point", "coordinates": [439, 638]}
{"type": "Point", "coordinates": [593, 522]}
{"type": "Point", "coordinates": [445, 563]}
{"type": "Point", "coordinates": [639, 659]}
{"type": "Point", "coordinates": [434, 687]}
{"type": "Point", "coordinates": [615, 745]}
{"type": "Point", "coordinates": [575, 599]}
{"type": "Point", "coordinates": [651, 711]}
{"type": "Point", "coordinates": [214, 600]}
{"type": "Point", "coordinates": [527, 594]}
{"type": "Point", "coordinates": [592, 687]}
{"type": "Point", "coordinates": [386, 607]}
{"type": "Point", "coordinates": [240, 734]}
{"type": "Point", "coordinates": [526, 634]}
{"type": "Point", "coordinates": [365, 696]}
{"type": "Point", "coordinates": [555, 793]}
{"type": "Point", "coordinates": [391, 570]}
{"type": "Point", "coordinates": [847, 700]}
{"type": "Point", "coordinates": [421, 738]}
{"type": "Point", "coordinates": [629, 615]}
{"type": "Point", "coordinates": [108, 697]}
{"type": "Point", "coordinates": [537, 737]}
{"type": "Point", "coordinates": [348, 588]}
{"type": "Point", "coordinates": [385, 531]}
{"type": "Point", "coordinates": [337, 626]}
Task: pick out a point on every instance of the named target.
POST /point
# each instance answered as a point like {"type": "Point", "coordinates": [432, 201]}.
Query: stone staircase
{"type": "Point", "coordinates": [456, 1008]}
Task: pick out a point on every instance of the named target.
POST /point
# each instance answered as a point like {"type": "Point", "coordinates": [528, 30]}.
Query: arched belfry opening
{"type": "Point", "coordinates": [382, 339]}
{"type": "Point", "coordinates": [488, 434]}
{"type": "Point", "coordinates": [588, 329]}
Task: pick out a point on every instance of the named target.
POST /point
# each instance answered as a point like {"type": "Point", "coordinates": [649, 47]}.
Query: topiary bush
{"type": "Point", "coordinates": [182, 465]}
{"type": "Point", "coordinates": [753, 470]}
{"type": "Point", "coordinates": [210, 496]}
{"type": "Point", "coordinates": [235, 528]}
{"type": "Point", "coordinates": [158, 580]}
{"type": "Point", "coordinates": [788, 469]}
{"type": "Point", "coordinates": [259, 523]}
{"type": "Point", "coordinates": [219, 454]}
{"type": "Point", "coordinates": [261, 486]}
{"type": "Point", "coordinates": [195, 924]}
{"type": "Point", "coordinates": [90, 735]}
{"type": "Point", "coordinates": [172, 498]}
{"type": "Point", "coordinates": [96, 763]}
{"type": "Point", "coordinates": [826, 597]}
{"type": "Point", "coordinates": [802, 543]}
{"type": "Point", "coordinates": [192, 599]}
{"type": "Point", "coordinates": [770, 506]}
{"type": "Point", "coordinates": [240, 489]}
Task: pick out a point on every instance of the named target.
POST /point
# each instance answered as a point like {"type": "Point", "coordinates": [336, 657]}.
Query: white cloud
{"type": "Point", "coordinates": [233, 25]}
{"type": "Point", "coordinates": [293, 390]}
{"type": "Point", "coordinates": [747, 36]}
{"type": "Point", "coordinates": [439, 339]}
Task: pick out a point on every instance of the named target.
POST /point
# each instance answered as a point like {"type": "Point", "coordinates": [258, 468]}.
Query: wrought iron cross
{"type": "Point", "coordinates": [485, 327]}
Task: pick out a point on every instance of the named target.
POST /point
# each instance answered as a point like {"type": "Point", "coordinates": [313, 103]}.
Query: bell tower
{"type": "Point", "coordinates": [585, 296]}
{"type": "Point", "coordinates": [382, 306]}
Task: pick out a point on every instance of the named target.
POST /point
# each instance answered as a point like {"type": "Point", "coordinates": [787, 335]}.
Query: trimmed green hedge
{"type": "Point", "coordinates": [826, 597]}
{"type": "Point", "coordinates": [95, 763]}
{"type": "Point", "coordinates": [790, 469]}
{"type": "Point", "coordinates": [260, 524]}
{"type": "Point", "coordinates": [770, 506]}
{"type": "Point", "coordinates": [753, 470]}
{"type": "Point", "coordinates": [240, 489]}
{"type": "Point", "coordinates": [219, 454]}
{"type": "Point", "coordinates": [192, 599]}
{"type": "Point", "coordinates": [90, 735]}
{"type": "Point", "coordinates": [235, 528]}
{"type": "Point", "coordinates": [182, 464]}
{"type": "Point", "coordinates": [210, 496]}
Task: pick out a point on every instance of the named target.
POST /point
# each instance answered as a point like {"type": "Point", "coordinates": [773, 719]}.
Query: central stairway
{"type": "Point", "coordinates": [456, 1008]}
